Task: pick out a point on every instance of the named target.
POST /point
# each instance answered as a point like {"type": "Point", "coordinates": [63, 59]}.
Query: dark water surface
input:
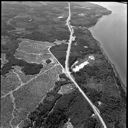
{"type": "Point", "coordinates": [111, 31]}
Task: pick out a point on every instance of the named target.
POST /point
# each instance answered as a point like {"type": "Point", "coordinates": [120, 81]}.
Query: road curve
{"type": "Point", "coordinates": [68, 74]}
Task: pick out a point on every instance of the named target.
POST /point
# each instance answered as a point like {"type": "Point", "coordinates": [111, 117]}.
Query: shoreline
{"type": "Point", "coordinates": [117, 75]}
{"type": "Point", "coordinates": [112, 38]}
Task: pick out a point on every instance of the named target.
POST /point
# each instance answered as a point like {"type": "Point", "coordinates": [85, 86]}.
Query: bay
{"type": "Point", "coordinates": [111, 32]}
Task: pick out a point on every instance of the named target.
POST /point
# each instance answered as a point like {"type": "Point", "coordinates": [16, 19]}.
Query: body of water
{"type": "Point", "coordinates": [111, 32]}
